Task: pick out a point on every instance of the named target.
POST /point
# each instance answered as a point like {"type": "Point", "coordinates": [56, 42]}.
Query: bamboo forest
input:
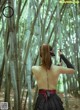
{"type": "Point", "coordinates": [24, 26]}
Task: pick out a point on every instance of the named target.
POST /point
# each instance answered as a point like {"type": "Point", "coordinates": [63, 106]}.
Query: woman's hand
{"type": "Point", "coordinates": [60, 52]}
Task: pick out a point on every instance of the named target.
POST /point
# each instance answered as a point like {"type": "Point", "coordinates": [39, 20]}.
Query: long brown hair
{"type": "Point", "coordinates": [46, 56]}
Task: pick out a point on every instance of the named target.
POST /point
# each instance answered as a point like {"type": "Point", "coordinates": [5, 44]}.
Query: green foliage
{"type": "Point", "coordinates": [35, 22]}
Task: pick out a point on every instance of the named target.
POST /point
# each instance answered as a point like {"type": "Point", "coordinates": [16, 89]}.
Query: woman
{"type": "Point", "coordinates": [47, 78]}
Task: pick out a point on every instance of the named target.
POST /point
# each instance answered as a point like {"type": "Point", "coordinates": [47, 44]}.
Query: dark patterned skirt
{"type": "Point", "coordinates": [48, 100]}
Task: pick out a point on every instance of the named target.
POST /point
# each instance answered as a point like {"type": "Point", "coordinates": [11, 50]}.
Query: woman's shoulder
{"type": "Point", "coordinates": [55, 66]}
{"type": "Point", "coordinates": [35, 68]}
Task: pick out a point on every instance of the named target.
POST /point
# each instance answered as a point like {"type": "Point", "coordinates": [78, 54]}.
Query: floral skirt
{"type": "Point", "coordinates": [48, 100]}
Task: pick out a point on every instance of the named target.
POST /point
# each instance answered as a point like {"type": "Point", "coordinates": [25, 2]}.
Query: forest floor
{"type": "Point", "coordinates": [73, 102]}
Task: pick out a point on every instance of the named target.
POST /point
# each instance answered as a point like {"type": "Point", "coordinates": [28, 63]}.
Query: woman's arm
{"type": "Point", "coordinates": [67, 62]}
{"type": "Point", "coordinates": [35, 72]}
{"type": "Point", "coordinates": [69, 68]}
{"type": "Point", "coordinates": [65, 70]}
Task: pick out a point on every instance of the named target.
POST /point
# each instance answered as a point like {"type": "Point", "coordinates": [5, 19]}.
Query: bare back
{"type": "Point", "coordinates": [45, 77]}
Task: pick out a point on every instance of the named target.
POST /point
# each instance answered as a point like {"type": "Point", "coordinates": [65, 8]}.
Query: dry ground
{"type": "Point", "coordinates": [74, 103]}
